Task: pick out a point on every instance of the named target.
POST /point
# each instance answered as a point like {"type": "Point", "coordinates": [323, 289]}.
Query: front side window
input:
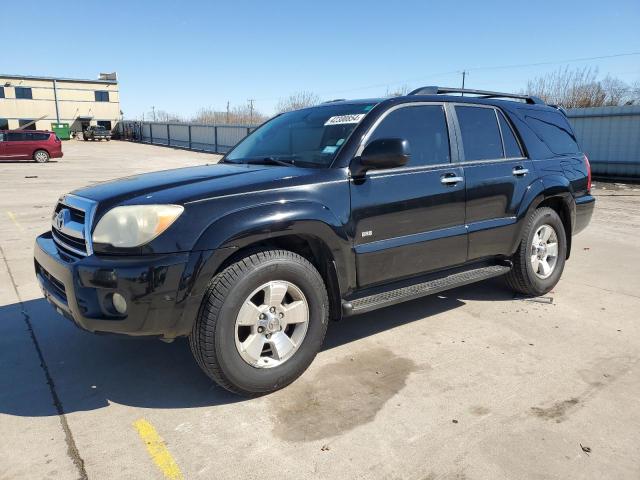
{"type": "Point", "coordinates": [102, 96]}
{"type": "Point", "coordinates": [480, 133]}
{"type": "Point", "coordinates": [1, 92]}
{"type": "Point", "coordinates": [310, 137]}
{"type": "Point", "coordinates": [424, 127]}
{"type": "Point", "coordinates": [24, 92]}
{"type": "Point", "coordinates": [16, 136]}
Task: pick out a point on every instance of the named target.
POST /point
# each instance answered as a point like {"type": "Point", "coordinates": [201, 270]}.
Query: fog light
{"type": "Point", "coordinates": [119, 303]}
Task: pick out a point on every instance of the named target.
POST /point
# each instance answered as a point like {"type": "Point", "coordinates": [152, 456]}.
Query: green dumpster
{"type": "Point", "coordinates": [61, 130]}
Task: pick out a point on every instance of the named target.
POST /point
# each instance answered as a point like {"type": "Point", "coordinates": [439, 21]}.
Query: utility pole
{"type": "Point", "coordinates": [464, 74]}
{"type": "Point", "coordinates": [227, 122]}
{"type": "Point", "coordinates": [251, 100]}
{"type": "Point", "coordinates": [153, 109]}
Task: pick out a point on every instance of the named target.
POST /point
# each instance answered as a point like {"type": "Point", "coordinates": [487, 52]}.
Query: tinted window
{"type": "Point", "coordinates": [16, 137]}
{"type": "Point", "coordinates": [23, 92]}
{"type": "Point", "coordinates": [480, 134]}
{"type": "Point", "coordinates": [511, 146]}
{"type": "Point", "coordinates": [554, 130]}
{"type": "Point", "coordinates": [4, 124]}
{"type": "Point", "coordinates": [106, 124]}
{"type": "Point", "coordinates": [39, 136]}
{"type": "Point", "coordinates": [425, 127]}
{"type": "Point", "coordinates": [102, 96]}
{"type": "Point", "coordinates": [1, 92]}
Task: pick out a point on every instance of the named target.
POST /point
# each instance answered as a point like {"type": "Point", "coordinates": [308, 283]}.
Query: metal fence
{"type": "Point", "coordinates": [206, 138]}
{"type": "Point", "coordinates": [611, 138]}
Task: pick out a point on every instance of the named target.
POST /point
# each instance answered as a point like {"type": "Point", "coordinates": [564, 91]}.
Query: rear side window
{"type": "Point", "coordinates": [511, 146]}
{"type": "Point", "coordinates": [480, 133]}
{"type": "Point", "coordinates": [424, 127]}
{"type": "Point", "coordinates": [1, 92]}
{"type": "Point", "coordinates": [554, 130]}
{"type": "Point", "coordinates": [39, 136]}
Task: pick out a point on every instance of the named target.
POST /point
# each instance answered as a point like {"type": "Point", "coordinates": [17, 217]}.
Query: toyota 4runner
{"type": "Point", "coordinates": [321, 213]}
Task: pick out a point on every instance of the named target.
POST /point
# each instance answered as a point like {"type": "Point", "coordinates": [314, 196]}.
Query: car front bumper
{"type": "Point", "coordinates": [155, 287]}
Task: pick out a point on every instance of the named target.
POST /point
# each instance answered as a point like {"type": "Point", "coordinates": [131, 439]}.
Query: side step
{"type": "Point", "coordinates": [438, 284]}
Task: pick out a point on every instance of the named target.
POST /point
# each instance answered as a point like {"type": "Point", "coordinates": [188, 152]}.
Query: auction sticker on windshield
{"type": "Point", "coordinates": [341, 119]}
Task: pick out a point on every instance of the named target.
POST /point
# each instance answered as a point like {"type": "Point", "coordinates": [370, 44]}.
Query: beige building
{"type": "Point", "coordinates": [46, 100]}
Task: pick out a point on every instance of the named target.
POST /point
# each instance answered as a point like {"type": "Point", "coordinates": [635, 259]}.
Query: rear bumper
{"type": "Point", "coordinates": [584, 211]}
{"type": "Point", "coordinates": [156, 289]}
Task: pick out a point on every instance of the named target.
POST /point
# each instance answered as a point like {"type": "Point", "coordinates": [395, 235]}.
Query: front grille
{"type": "Point", "coordinates": [55, 286]}
{"type": "Point", "coordinates": [69, 223]}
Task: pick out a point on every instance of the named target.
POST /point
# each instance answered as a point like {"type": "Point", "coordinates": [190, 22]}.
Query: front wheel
{"type": "Point", "coordinates": [539, 260]}
{"type": "Point", "coordinates": [41, 156]}
{"type": "Point", "coordinates": [261, 323]}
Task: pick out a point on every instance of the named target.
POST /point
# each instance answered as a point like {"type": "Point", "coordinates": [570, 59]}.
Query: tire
{"type": "Point", "coordinates": [523, 278]}
{"type": "Point", "coordinates": [41, 156]}
{"type": "Point", "coordinates": [216, 340]}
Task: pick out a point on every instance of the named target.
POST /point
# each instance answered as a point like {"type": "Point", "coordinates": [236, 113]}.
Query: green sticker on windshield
{"type": "Point", "coordinates": [368, 107]}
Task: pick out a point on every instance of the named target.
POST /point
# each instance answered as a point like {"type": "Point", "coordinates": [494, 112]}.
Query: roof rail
{"type": "Point", "coordinates": [434, 90]}
{"type": "Point", "coordinates": [335, 100]}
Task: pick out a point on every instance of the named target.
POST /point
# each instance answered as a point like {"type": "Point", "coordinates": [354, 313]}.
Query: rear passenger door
{"type": "Point", "coordinates": [410, 220]}
{"type": "Point", "coordinates": [497, 175]}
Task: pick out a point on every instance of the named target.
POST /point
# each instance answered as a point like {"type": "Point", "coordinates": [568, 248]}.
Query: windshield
{"type": "Point", "coordinates": [307, 138]}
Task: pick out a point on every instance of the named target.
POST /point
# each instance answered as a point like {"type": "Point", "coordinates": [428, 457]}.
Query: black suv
{"type": "Point", "coordinates": [320, 213]}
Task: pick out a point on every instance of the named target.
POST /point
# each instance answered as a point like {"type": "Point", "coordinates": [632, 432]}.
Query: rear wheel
{"type": "Point", "coordinates": [41, 156]}
{"type": "Point", "coordinates": [539, 260]}
{"type": "Point", "coordinates": [261, 323]}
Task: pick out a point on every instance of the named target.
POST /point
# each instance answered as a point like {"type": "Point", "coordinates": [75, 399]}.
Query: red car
{"type": "Point", "coordinates": [29, 145]}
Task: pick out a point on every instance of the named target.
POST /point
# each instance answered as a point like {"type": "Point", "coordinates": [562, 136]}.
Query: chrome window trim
{"type": "Point", "coordinates": [374, 126]}
{"type": "Point", "coordinates": [497, 111]}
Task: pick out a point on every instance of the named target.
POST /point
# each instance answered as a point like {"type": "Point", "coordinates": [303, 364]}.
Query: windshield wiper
{"type": "Point", "coordinates": [262, 160]}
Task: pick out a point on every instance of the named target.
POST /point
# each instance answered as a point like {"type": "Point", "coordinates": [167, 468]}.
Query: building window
{"type": "Point", "coordinates": [24, 92]}
{"type": "Point", "coordinates": [24, 121]}
{"type": "Point", "coordinates": [104, 123]}
{"type": "Point", "coordinates": [102, 96]}
{"type": "Point", "coordinates": [4, 124]}
{"type": "Point", "coordinates": [1, 92]}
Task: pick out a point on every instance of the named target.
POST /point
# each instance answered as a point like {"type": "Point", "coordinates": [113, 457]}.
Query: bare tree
{"type": "Point", "coordinates": [163, 116]}
{"type": "Point", "coordinates": [239, 115]}
{"type": "Point", "coordinates": [297, 101]}
{"type": "Point", "coordinates": [397, 92]}
{"type": "Point", "coordinates": [580, 88]}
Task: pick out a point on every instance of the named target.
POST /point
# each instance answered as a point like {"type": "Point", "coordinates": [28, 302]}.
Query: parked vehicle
{"type": "Point", "coordinates": [35, 145]}
{"type": "Point", "coordinates": [320, 213]}
{"type": "Point", "coordinates": [96, 132]}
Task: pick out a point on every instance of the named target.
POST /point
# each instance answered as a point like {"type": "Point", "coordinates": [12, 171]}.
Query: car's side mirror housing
{"type": "Point", "coordinates": [381, 153]}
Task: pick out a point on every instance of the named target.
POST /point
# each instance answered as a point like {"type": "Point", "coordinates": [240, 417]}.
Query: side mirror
{"type": "Point", "coordinates": [382, 153]}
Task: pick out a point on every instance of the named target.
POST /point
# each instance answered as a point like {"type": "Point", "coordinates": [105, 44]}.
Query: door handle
{"type": "Point", "coordinates": [520, 171]}
{"type": "Point", "coordinates": [450, 179]}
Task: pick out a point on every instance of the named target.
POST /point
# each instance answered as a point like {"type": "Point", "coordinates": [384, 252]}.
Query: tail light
{"type": "Point", "coordinates": [588, 165]}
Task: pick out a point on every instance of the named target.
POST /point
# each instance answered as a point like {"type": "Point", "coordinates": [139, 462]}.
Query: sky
{"type": "Point", "coordinates": [181, 56]}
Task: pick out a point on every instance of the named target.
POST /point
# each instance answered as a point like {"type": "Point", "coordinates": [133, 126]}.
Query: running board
{"type": "Point", "coordinates": [435, 285]}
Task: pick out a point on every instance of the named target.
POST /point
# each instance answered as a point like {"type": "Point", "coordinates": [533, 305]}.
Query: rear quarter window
{"type": "Point", "coordinates": [554, 130]}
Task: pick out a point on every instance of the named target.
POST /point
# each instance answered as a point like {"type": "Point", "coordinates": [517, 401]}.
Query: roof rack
{"type": "Point", "coordinates": [434, 90]}
{"type": "Point", "coordinates": [335, 100]}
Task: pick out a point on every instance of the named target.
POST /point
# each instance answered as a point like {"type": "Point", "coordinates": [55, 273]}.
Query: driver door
{"type": "Point", "coordinates": [410, 220]}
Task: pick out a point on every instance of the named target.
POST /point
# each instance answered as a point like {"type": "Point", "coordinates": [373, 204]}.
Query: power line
{"type": "Point", "coordinates": [467, 70]}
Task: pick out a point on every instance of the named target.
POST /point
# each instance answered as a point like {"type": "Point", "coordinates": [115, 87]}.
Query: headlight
{"type": "Point", "coordinates": [135, 225]}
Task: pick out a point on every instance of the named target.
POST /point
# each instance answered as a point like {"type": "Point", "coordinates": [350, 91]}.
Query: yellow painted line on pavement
{"type": "Point", "coordinates": [158, 450]}
{"type": "Point", "coordinates": [15, 220]}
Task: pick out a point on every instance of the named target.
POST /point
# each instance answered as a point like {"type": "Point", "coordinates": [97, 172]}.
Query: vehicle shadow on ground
{"type": "Point", "coordinates": [91, 371]}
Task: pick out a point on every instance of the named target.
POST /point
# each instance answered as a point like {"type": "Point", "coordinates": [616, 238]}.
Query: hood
{"type": "Point", "coordinates": [183, 185]}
